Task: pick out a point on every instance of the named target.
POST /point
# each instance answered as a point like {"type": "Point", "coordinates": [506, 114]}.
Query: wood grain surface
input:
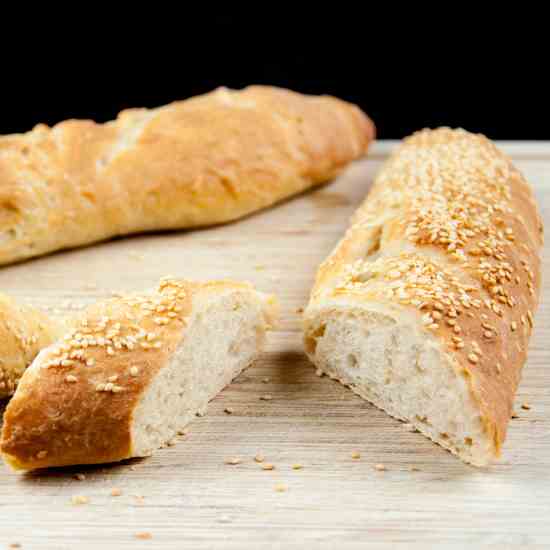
{"type": "Point", "coordinates": [186, 497]}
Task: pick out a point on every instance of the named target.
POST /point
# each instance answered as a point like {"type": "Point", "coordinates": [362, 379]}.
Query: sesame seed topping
{"type": "Point", "coordinates": [134, 371]}
{"type": "Point", "coordinates": [472, 357]}
{"type": "Point", "coordinates": [267, 466]}
{"type": "Point", "coordinates": [71, 378]}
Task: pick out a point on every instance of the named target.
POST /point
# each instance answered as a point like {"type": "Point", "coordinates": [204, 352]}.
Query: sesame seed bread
{"type": "Point", "coordinates": [425, 307]}
{"type": "Point", "coordinates": [24, 331]}
{"type": "Point", "coordinates": [132, 372]}
{"type": "Point", "coordinates": [207, 160]}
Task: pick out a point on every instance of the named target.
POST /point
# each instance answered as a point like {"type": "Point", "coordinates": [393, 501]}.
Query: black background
{"type": "Point", "coordinates": [484, 74]}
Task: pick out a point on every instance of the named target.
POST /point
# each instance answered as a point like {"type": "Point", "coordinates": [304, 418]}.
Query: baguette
{"type": "Point", "coordinates": [425, 307]}
{"type": "Point", "coordinates": [132, 372]}
{"type": "Point", "coordinates": [207, 160]}
{"type": "Point", "coordinates": [24, 331]}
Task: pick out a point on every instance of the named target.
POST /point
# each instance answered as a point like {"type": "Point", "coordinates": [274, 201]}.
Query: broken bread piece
{"type": "Point", "coordinates": [425, 308]}
{"type": "Point", "coordinates": [24, 331]}
{"type": "Point", "coordinates": [132, 372]}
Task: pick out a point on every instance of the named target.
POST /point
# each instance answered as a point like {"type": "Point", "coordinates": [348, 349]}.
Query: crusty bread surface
{"type": "Point", "coordinates": [24, 331]}
{"type": "Point", "coordinates": [425, 307]}
{"type": "Point", "coordinates": [206, 160]}
{"type": "Point", "coordinates": [132, 372]}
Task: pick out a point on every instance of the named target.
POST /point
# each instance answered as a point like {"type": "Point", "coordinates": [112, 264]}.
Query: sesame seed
{"type": "Point", "coordinates": [513, 326]}
{"type": "Point", "coordinates": [116, 492]}
{"type": "Point", "coordinates": [280, 488]}
{"type": "Point", "coordinates": [41, 454]}
{"type": "Point", "coordinates": [80, 477]}
{"type": "Point", "coordinates": [228, 410]}
{"type": "Point", "coordinates": [144, 535]}
{"type": "Point", "coordinates": [526, 406]}
{"type": "Point", "coordinates": [232, 461]}
{"type": "Point", "coordinates": [266, 397]}
{"type": "Point", "coordinates": [134, 371]}
{"type": "Point", "coordinates": [267, 466]}
{"type": "Point", "coordinates": [472, 357]}
{"type": "Point", "coordinates": [356, 455]}
{"type": "Point", "coordinates": [71, 378]}
{"type": "Point", "coordinates": [265, 380]}
{"type": "Point", "coordinates": [380, 467]}
{"type": "Point", "coordinates": [76, 500]}
{"type": "Point", "coordinates": [297, 466]}
{"type": "Point", "coordinates": [259, 458]}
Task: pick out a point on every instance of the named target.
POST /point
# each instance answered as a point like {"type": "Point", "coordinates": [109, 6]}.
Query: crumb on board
{"type": "Point", "coordinates": [229, 410]}
{"type": "Point", "coordinates": [144, 535]}
{"type": "Point", "coordinates": [514, 415]}
{"type": "Point", "coordinates": [79, 499]}
{"type": "Point", "coordinates": [116, 492]}
{"type": "Point", "coordinates": [266, 397]}
{"type": "Point", "coordinates": [280, 488]}
{"type": "Point", "coordinates": [233, 461]}
{"type": "Point", "coordinates": [525, 406]}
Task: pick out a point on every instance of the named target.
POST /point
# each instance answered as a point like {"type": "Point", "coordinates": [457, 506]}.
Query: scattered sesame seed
{"type": "Point", "coordinates": [297, 466]}
{"type": "Point", "coordinates": [229, 410]}
{"type": "Point", "coordinates": [232, 461]}
{"type": "Point", "coordinates": [41, 454]}
{"type": "Point", "coordinates": [134, 371]}
{"type": "Point", "coordinates": [280, 488]}
{"type": "Point", "coordinates": [71, 378]}
{"type": "Point", "coordinates": [472, 357]}
{"type": "Point", "coordinates": [513, 326]}
{"type": "Point", "coordinates": [266, 397]}
{"type": "Point", "coordinates": [116, 492]}
{"type": "Point", "coordinates": [79, 499]}
{"type": "Point", "coordinates": [526, 406]}
{"type": "Point", "coordinates": [267, 466]}
{"type": "Point", "coordinates": [380, 467]}
{"type": "Point", "coordinates": [265, 380]}
{"type": "Point", "coordinates": [144, 535]}
{"type": "Point", "coordinates": [80, 477]}
{"type": "Point", "coordinates": [356, 455]}
{"type": "Point", "coordinates": [514, 415]}
{"type": "Point", "coordinates": [259, 458]}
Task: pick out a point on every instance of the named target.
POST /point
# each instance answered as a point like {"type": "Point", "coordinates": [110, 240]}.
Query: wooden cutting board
{"type": "Point", "coordinates": [186, 497]}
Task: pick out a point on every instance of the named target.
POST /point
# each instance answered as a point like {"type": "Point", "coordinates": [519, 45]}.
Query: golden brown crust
{"type": "Point", "coordinates": [24, 331]}
{"type": "Point", "coordinates": [456, 234]}
{"type": "Point", "coordinates": [98, 371]}
{"type": "Point", "coordinates": [207, 160]}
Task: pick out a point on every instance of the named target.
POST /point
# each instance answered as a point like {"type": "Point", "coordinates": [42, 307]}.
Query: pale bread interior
{"type": "Point", "coordinates": [385, 357]}
{"type": "Point", "coordinates": [221, 339]}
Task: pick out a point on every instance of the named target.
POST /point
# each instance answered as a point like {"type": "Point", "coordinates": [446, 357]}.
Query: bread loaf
{"type": "Point", "coordinates": [24, 331]}
{"type": "Point", "coordinates": [206, 160]}
{"type": "Point", "coordinates": [425, 308]}
{"type": "Point", "coordinates": [132, 372]}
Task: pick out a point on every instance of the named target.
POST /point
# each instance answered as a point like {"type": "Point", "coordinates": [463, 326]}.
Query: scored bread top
{"type": "Point", "coordinates": [98, 371]}
{"type": "Point", "coordinates": [206, 160]}
{"type": "Point", "coordinates": [451, 230]}
{"type": "Point", "coordinates": [24, 331]}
